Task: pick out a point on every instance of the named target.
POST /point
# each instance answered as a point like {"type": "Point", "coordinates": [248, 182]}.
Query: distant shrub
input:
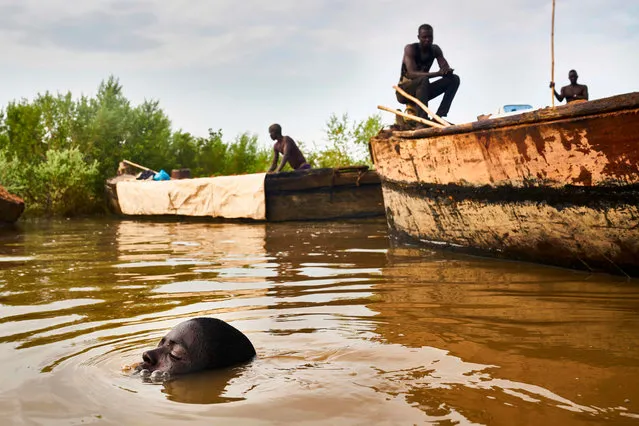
{"type": "Point", "coordinates": [12, 174]}
{"type": "Point", "coordinates": [63, 184]}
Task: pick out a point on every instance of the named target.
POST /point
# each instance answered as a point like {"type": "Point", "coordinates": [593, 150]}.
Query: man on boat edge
{"type": "Point", "coordinates": [289, 150]}
{"type": "Point", "coordinates": [415, 75]}
{"type": "Point", "coordinates": [572, 92]}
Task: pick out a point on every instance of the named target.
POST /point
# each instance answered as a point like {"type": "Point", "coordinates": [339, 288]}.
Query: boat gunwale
{"type": "Point", "coordinates": [628, 101]}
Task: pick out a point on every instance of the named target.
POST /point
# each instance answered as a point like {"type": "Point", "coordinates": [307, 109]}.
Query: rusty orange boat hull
{"type": "Point", "coordinates": [557, 186]}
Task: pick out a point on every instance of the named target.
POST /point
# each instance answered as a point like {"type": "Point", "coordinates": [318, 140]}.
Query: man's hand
{"type": "Point", "coordinates": [552, 85]}
{"type": "Point", "coordinates": [445, 71]}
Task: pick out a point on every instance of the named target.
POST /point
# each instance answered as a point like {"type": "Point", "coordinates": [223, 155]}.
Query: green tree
{"type": "Point", "coordinates": [184, 148]}
{"type": "Point", "coordinates": [245, 156]}
{"type": "Point", "coordinates": [149, 137]}
{"type": "Point", "coordinates": [211, 157]}
{"type": "Point", "coordinates": [24, 131]}
{"type": "Point", "coordinates": [110, 126]}
{"type": "Point", "coordinates": [348, 141]}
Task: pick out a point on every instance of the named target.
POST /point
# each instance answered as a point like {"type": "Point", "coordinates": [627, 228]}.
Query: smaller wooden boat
{"type": "Point", "coordinates": [11, 206]}
{"type": "Point", "coordinates": [315, 194]}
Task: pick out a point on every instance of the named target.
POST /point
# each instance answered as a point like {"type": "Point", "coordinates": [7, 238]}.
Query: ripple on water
{"type": "Point", "coordinates": [347, 330]}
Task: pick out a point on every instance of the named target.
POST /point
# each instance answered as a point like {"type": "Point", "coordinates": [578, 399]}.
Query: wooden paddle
{"type": "Point", "coordinates": [131, 163]}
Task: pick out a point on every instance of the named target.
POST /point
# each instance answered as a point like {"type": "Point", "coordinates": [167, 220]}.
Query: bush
{"type": "Point", "coordinates": [244, 155]}
{"type": "Point", "coordinates": [63, 184]}
{"type": "Point", "coordinates": [11, 174]}
{"type": "Point", "coordinates": [348, 141]}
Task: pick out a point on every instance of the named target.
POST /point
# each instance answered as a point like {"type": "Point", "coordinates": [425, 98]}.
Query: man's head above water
{"type": "Point", "coordinates": [198, 344]}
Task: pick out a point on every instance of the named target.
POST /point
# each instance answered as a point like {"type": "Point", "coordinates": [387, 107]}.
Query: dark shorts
{"type": "Point", "coordinates": [304, 166]}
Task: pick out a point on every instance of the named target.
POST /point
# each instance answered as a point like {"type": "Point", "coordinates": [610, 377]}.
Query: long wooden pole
{"type": "Point", "coordinates": [552, 54]}
{"type": "Point", "coordinates": [410, 117]}
{"type": "Point", "coordinates": [131, 163]}
{"type": "Point", "coordinates": [422, 106]}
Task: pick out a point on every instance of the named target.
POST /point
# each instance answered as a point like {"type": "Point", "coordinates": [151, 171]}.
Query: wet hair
{"type": "Point", "coordinates": [226, 344]}
{"type": "Point", "coordinates": [276, 127]}
{"type": "Point", "coordinates": [426, 27]}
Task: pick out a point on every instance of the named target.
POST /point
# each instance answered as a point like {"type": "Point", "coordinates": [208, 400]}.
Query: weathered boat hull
{"type": "Point", "coordinates": [316, 194]}
{"type": "Point", "coordinates": [11, 206]}
{"type": "Point", "coordinates": [320, 194]}
{"type": "Point", "coordinates": [557, 186]}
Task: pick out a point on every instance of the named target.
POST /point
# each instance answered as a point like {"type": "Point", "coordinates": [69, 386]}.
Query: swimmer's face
{"type": "Point", "coordinates": [179, 352]}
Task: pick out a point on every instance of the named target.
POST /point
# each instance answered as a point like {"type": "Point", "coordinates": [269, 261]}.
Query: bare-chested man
{"type": "Point", "coordinates": [286, 146]}
{"type": "Point", "coordinates": [572, 92]}
{"type": "Point", "coordinates": [416, 75]}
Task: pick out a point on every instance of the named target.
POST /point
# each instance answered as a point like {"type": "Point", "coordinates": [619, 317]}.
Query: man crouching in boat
{"type": "Point", "coordinates": [415, 76]}
{"type": "Point", "coordinates": [286, 146]}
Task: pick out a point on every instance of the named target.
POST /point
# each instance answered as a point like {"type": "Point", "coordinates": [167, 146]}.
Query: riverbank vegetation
{"type": "Point", "coordinates": [56, 151]}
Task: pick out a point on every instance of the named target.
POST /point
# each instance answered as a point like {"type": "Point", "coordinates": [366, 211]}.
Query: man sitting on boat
{"type": "Point", "coordinates": [572, 92]}
{"type": "Point", "coordinates": [415, 76]}
{"type": "Point", "coordinates": [286, 146]}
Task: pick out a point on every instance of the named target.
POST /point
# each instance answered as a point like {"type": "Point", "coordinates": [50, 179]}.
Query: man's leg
{"type": "Point", "coordinates": [447, 85]}
{"type": "Point", "coordinates": [418, 88]}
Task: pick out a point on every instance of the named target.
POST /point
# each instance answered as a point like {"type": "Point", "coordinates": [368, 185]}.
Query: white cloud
{"type": "Point", "coordinates": [240, 65]}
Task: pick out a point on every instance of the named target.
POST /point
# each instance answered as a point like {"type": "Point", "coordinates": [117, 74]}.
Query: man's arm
{"type": "Point", "coordinates": [560, 97]}
{"type": "Point", "coordinates": [441, 61]}
{"type": "Point", "coordinates": [274, 163]}
{"type": "Point", "coordinates": [411, 65]}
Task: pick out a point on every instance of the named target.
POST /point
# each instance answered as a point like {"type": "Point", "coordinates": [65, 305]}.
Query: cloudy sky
{"type": "Point", "coordinates": [240, 65]}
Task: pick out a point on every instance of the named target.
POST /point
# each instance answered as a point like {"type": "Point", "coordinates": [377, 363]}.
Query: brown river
{"type": "Point", "coordinates": [349, 330]}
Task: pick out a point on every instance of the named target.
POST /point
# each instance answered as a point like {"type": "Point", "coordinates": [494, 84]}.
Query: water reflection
{"type": "Point", "coordinates": [348, 330]}
{"type": "Point", "coordinates": [205, 388]}
{"type": "Point", "coordinates": [570, 332]}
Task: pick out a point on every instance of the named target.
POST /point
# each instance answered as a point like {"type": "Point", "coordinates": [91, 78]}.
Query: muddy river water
{"type": "Point", "coordinates": [348, 329]}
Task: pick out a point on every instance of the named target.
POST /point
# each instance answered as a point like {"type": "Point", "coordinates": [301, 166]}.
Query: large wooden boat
{"type": "Point", "coordinates": [315, 194]}
{"type": "Point", "coordinates": [11, 206]}
{"type": "Point", "coordinates": [556, 186]}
